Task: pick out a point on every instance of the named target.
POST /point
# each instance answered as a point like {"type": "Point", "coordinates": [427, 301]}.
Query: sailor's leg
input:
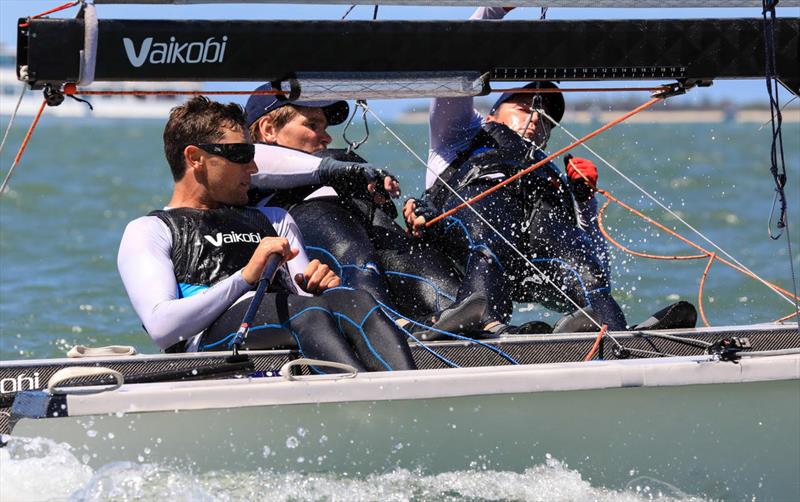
{"type": "Point", "coordinates": [569, 259]}
{"type": "Point", "coordinates": [336, 235]}
{"type": "Point", "coordinates": [285, 321]}
{"type": "Point", "coordinates": [487, 255]}
{"type": "Point", "coordinates": [378, 341]}
{"type": "Point", "coordinates": [421, 279]}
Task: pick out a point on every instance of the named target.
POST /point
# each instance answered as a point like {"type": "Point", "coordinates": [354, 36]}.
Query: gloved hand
{"type": "Point", "coordinates": [353, 179]}
{"type": "Point", "coordinates": [582, 174]}
{"type": "Point", "coordinates": [417, 212]}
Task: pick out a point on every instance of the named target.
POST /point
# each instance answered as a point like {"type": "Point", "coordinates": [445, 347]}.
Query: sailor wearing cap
{"type": "Point", "coordinates": [548, 216]}
{"type": "Point", "coordinates": [342, 205]}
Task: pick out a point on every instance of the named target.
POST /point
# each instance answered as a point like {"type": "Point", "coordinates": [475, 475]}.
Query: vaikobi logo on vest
{"type": "Point", "coordinates": [232, 238]}
{"type": "Point", "coordinates": [175, 51]}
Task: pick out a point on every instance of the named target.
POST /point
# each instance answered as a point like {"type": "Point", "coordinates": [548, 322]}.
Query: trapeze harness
{"type": "Point", "coordinates": [541, 220]}
{"type": "Point", "coordinates": [364, 245]}
{"type": "Point", "coordinates": [341, 325]}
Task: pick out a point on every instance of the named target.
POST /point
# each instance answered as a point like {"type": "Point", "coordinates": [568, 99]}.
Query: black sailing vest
{"type": "Point", "coordinates": [496, 149]}
{"type": "Point", "coordinates": [210, 245]}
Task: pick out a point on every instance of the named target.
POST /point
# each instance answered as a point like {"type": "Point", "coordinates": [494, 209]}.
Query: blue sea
{"type": "Point", "coordinates": [81, 181]}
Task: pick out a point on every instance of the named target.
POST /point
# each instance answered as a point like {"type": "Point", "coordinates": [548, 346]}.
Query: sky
{"type": "Point", "coordinates": [737, 91]}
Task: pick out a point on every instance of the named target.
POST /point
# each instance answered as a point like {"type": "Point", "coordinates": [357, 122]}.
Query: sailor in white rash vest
{"type": "Point", "coordinates": [189, 269]}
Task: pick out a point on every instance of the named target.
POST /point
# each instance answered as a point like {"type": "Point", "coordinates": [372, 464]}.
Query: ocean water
{"type": "Point", "coordinates": [80, 182]}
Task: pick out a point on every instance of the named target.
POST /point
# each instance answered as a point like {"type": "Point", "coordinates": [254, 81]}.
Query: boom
{"type": "Point", "coordinates": [48, 50]}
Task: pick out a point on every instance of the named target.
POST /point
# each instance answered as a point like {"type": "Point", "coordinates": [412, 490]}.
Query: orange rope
{"type": "Point", "coordinates": [630, 251]}
{"type": "Point", "coordinates": [72, 89]}
{"type": "Point", "coordinates": [23, 146]}
{"type": "Point", "coordinates": [706, 253]}
{"type": "Point", "coordinates": [600, 336]}
{"type": "Point", "coordinates": [588, 89]}
{"type": "Point", "coordinates": [56, 9]}
{"type": "Point", "coordinates": [544, 161]}
{"type": "Point", "coordinates": [786, 318]}
{"type": "Point", "coordinates": [702, 285]}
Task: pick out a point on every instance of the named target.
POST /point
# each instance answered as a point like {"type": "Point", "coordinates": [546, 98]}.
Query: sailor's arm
{"type": "Point", "coordinates": [310, 276]}
{"type": "Point", "coordinates": [283, 168]}
{"type": "Point", "coordinates": [145, 265]}
{"type": "Point", "coordinates": [453, 122]}
{"type": "Point", "coordinates": [582, 174]}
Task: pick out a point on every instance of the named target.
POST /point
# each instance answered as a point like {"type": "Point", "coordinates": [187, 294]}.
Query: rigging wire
{"type": "Point", "coordinates": [670, 212]}
{"type": "Point", "coordinates": [22, 148]}
{"type": "Point", "coordinates": [483, 219]}
{"type": "Point", "coordinates": [13, 116]}
{"type": "Point", "coordinates": [776, 148]}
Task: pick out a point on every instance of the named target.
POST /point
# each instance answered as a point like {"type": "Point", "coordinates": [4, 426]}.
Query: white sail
{"type": "Point", "coordinates": [493, 3]}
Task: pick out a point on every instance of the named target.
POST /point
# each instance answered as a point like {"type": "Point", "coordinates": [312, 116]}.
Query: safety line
{"type": "Point", "coordinates": [22, 148]}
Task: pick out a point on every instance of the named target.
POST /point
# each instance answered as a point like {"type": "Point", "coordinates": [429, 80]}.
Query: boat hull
{"type": "Point", "coordinates": [734, 433]}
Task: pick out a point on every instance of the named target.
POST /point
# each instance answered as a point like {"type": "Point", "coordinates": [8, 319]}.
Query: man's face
{"type": "Point", "coordinates": [227, 181]}
{"type": "Point", "coordinates": [515, 113]}
{"type": "Point", "coordinates": [305, 131]}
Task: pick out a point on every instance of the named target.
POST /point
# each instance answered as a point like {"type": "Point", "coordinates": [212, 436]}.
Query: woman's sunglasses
{"type": "Point", "coordinates": [240, 153]}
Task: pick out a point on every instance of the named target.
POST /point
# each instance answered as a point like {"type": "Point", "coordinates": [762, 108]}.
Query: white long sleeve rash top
{"type": "Point", "coordinates": [145, 265]}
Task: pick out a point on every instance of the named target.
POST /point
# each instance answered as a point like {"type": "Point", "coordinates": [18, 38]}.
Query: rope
{"type": "Point", "coordinates": [22, 148]}
{"type": "Point", "coordinates": [51, 11]}
{"type": "Point", "coordinates": [700, 290]}
{"type": "Point", "coordinates": [483, 219]}
{"type": "Point", "coordinates": [13, 116]}
{"type": "Point", "coordinates": [597, 340]}
{"type": "Point", "coordinates": [776, 147]}
{"type": "Point", "coordinates": [660, 88]}
{"type": "Point", "coordinates": [546, 159]}
{"type": "Point", "coordinates": [72, 89]}
{"type": "Point", "coordinates": [733, 263]}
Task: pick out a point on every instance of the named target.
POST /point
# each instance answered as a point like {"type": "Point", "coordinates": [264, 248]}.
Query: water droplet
{"type": "Point", "coordinates": [266, 452]}
{"type": "Point", "coordinates": [91, 433]}
{"type": "Point", "coordinates": [301, 432]}
{"type": "Point", "coordinates": [292, 442]}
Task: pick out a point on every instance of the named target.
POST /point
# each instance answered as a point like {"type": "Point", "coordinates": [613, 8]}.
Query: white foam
{"type": "Point", "coordinates": [39, 469]}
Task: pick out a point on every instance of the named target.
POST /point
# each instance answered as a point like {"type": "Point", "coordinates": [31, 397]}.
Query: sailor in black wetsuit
{"type": "Point", "coordinates": [547, 216]}
{"type": "Point", "coordinates": [344, 210]}
{"type": "Point", "coordinates": [190, 269]}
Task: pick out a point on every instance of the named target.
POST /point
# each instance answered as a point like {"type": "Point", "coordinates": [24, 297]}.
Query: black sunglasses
{"type": "Point", "coordinates": [240, 153]}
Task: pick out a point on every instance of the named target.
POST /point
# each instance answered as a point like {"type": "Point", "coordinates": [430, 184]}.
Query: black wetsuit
{"type": "Point", "coordinates": [370, 251]}
{"type": "Point", "coordinates": [341, 325]}
{"type": "Point", "coordinates": [537, 214]}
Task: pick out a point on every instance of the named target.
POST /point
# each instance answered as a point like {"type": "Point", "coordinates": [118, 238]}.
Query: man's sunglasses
{"type": "Point", "coordinates": [240, 153]}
